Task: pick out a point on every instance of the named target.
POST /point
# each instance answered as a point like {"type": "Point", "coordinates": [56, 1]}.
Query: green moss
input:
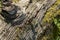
{"type": "Point", "coordinates": [51, 17]}
{"type": "Point", "coordinates": [52, 12]}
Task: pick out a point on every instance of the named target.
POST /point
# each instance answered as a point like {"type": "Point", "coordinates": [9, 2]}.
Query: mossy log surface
{"type": "Point", "coordinates": [22, 20]}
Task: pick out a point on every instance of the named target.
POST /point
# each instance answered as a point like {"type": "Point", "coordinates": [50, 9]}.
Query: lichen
{"type": "Point", "coordinates": [49, 17]}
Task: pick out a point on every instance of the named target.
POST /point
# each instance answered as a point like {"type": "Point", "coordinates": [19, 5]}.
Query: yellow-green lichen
{"type": "Point", "coordinates": [52, 12]}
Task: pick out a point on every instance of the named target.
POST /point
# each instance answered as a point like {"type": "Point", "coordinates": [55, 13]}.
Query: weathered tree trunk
{"type": "Point", "coordinates": [22, 20]}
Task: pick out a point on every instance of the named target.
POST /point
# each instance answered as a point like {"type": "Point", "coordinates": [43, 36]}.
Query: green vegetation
{"type": "Point", "coordinates": [57, 27]}
{"type": "Point", "coordinates": [53, 17]}
{"type": "Point", "coordinates": [52, 12]}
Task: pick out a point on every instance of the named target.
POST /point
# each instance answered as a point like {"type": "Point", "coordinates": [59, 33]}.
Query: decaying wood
{"type": "Point", "coordinates": [24, 22]}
